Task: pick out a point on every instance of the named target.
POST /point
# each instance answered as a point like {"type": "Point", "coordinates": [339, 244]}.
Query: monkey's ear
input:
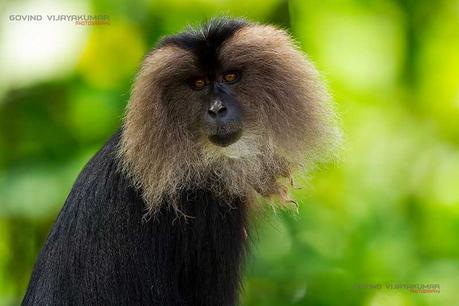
{"type": "Point", "coordinates": [145, 158]}
{"type": "Point", "coordinates": [161, 67]}
{"type": "Point", "coordinates": [163, 64]}
{"type": "Point", "coordinates": [302, 118]}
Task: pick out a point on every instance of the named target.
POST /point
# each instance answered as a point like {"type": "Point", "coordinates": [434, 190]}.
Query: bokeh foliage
{"type": "Point", "coordinates": [388, 212]}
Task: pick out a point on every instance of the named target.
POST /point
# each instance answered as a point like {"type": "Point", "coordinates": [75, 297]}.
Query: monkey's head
{"type": "Point", "coordinates": [232, 106]}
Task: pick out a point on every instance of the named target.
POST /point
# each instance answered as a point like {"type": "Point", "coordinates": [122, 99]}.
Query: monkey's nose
{"type": "Point", "coordinates": [223, 122]}
{"type": "Point", "coordinates": [217, 109]}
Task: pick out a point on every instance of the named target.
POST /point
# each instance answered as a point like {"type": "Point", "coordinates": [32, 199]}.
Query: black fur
{"type": "Point", "coordinates": [205, 41]}
{"type": "Point", "coordinates": [102, 251]}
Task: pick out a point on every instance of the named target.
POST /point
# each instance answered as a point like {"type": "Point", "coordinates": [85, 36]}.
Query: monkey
{"type": "Point", "coordinates": [219, 115]}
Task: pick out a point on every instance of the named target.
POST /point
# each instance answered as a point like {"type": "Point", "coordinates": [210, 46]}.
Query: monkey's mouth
{"type": "Point", "coordinates": [225, 139]}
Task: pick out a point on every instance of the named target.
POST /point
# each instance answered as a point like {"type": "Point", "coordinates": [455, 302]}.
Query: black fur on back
{"type": "Point", "coordinates": [206, 40]}
{"type": "Point", "coordinates": [102, 251]}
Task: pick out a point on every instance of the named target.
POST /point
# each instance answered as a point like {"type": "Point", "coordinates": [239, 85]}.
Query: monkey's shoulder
{"type": "Point", "coordinates": [102, 191]}
{"type": "Point", "coordinates": [101, 219]}
{"type": "Point", "coordinates": [101, 176]}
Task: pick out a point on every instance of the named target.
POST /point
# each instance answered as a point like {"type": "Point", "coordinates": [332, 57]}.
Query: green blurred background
{"type": "Point", "coordinates": [387, 213]}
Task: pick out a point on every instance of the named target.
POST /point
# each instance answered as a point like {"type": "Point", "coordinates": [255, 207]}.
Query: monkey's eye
{"type": "Point", "coordinates": [199, 83]}
{"type": "Point", "coordinates": [231, 77]}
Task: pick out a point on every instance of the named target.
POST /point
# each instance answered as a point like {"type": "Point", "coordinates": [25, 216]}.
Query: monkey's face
{"type": "Point", "coordinates": [207, 102]}
{"type": "Point", "coordinates": [233, 99]}
{"type": "Point", "coordinates": [251, 86]}
{"type": "Point", "coordinates": [222, 120]}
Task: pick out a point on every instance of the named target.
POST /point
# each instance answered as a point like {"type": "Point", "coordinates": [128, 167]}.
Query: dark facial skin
{"type": "Point", "coordinates": [223, 118]}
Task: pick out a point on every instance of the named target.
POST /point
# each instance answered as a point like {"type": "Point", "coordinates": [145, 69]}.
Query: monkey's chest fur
{"type": "Point", "coordinates": [102, 251]}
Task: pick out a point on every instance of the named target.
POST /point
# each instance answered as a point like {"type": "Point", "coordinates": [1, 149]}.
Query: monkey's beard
{"type": "Point", "coordinates": [253, 165]}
